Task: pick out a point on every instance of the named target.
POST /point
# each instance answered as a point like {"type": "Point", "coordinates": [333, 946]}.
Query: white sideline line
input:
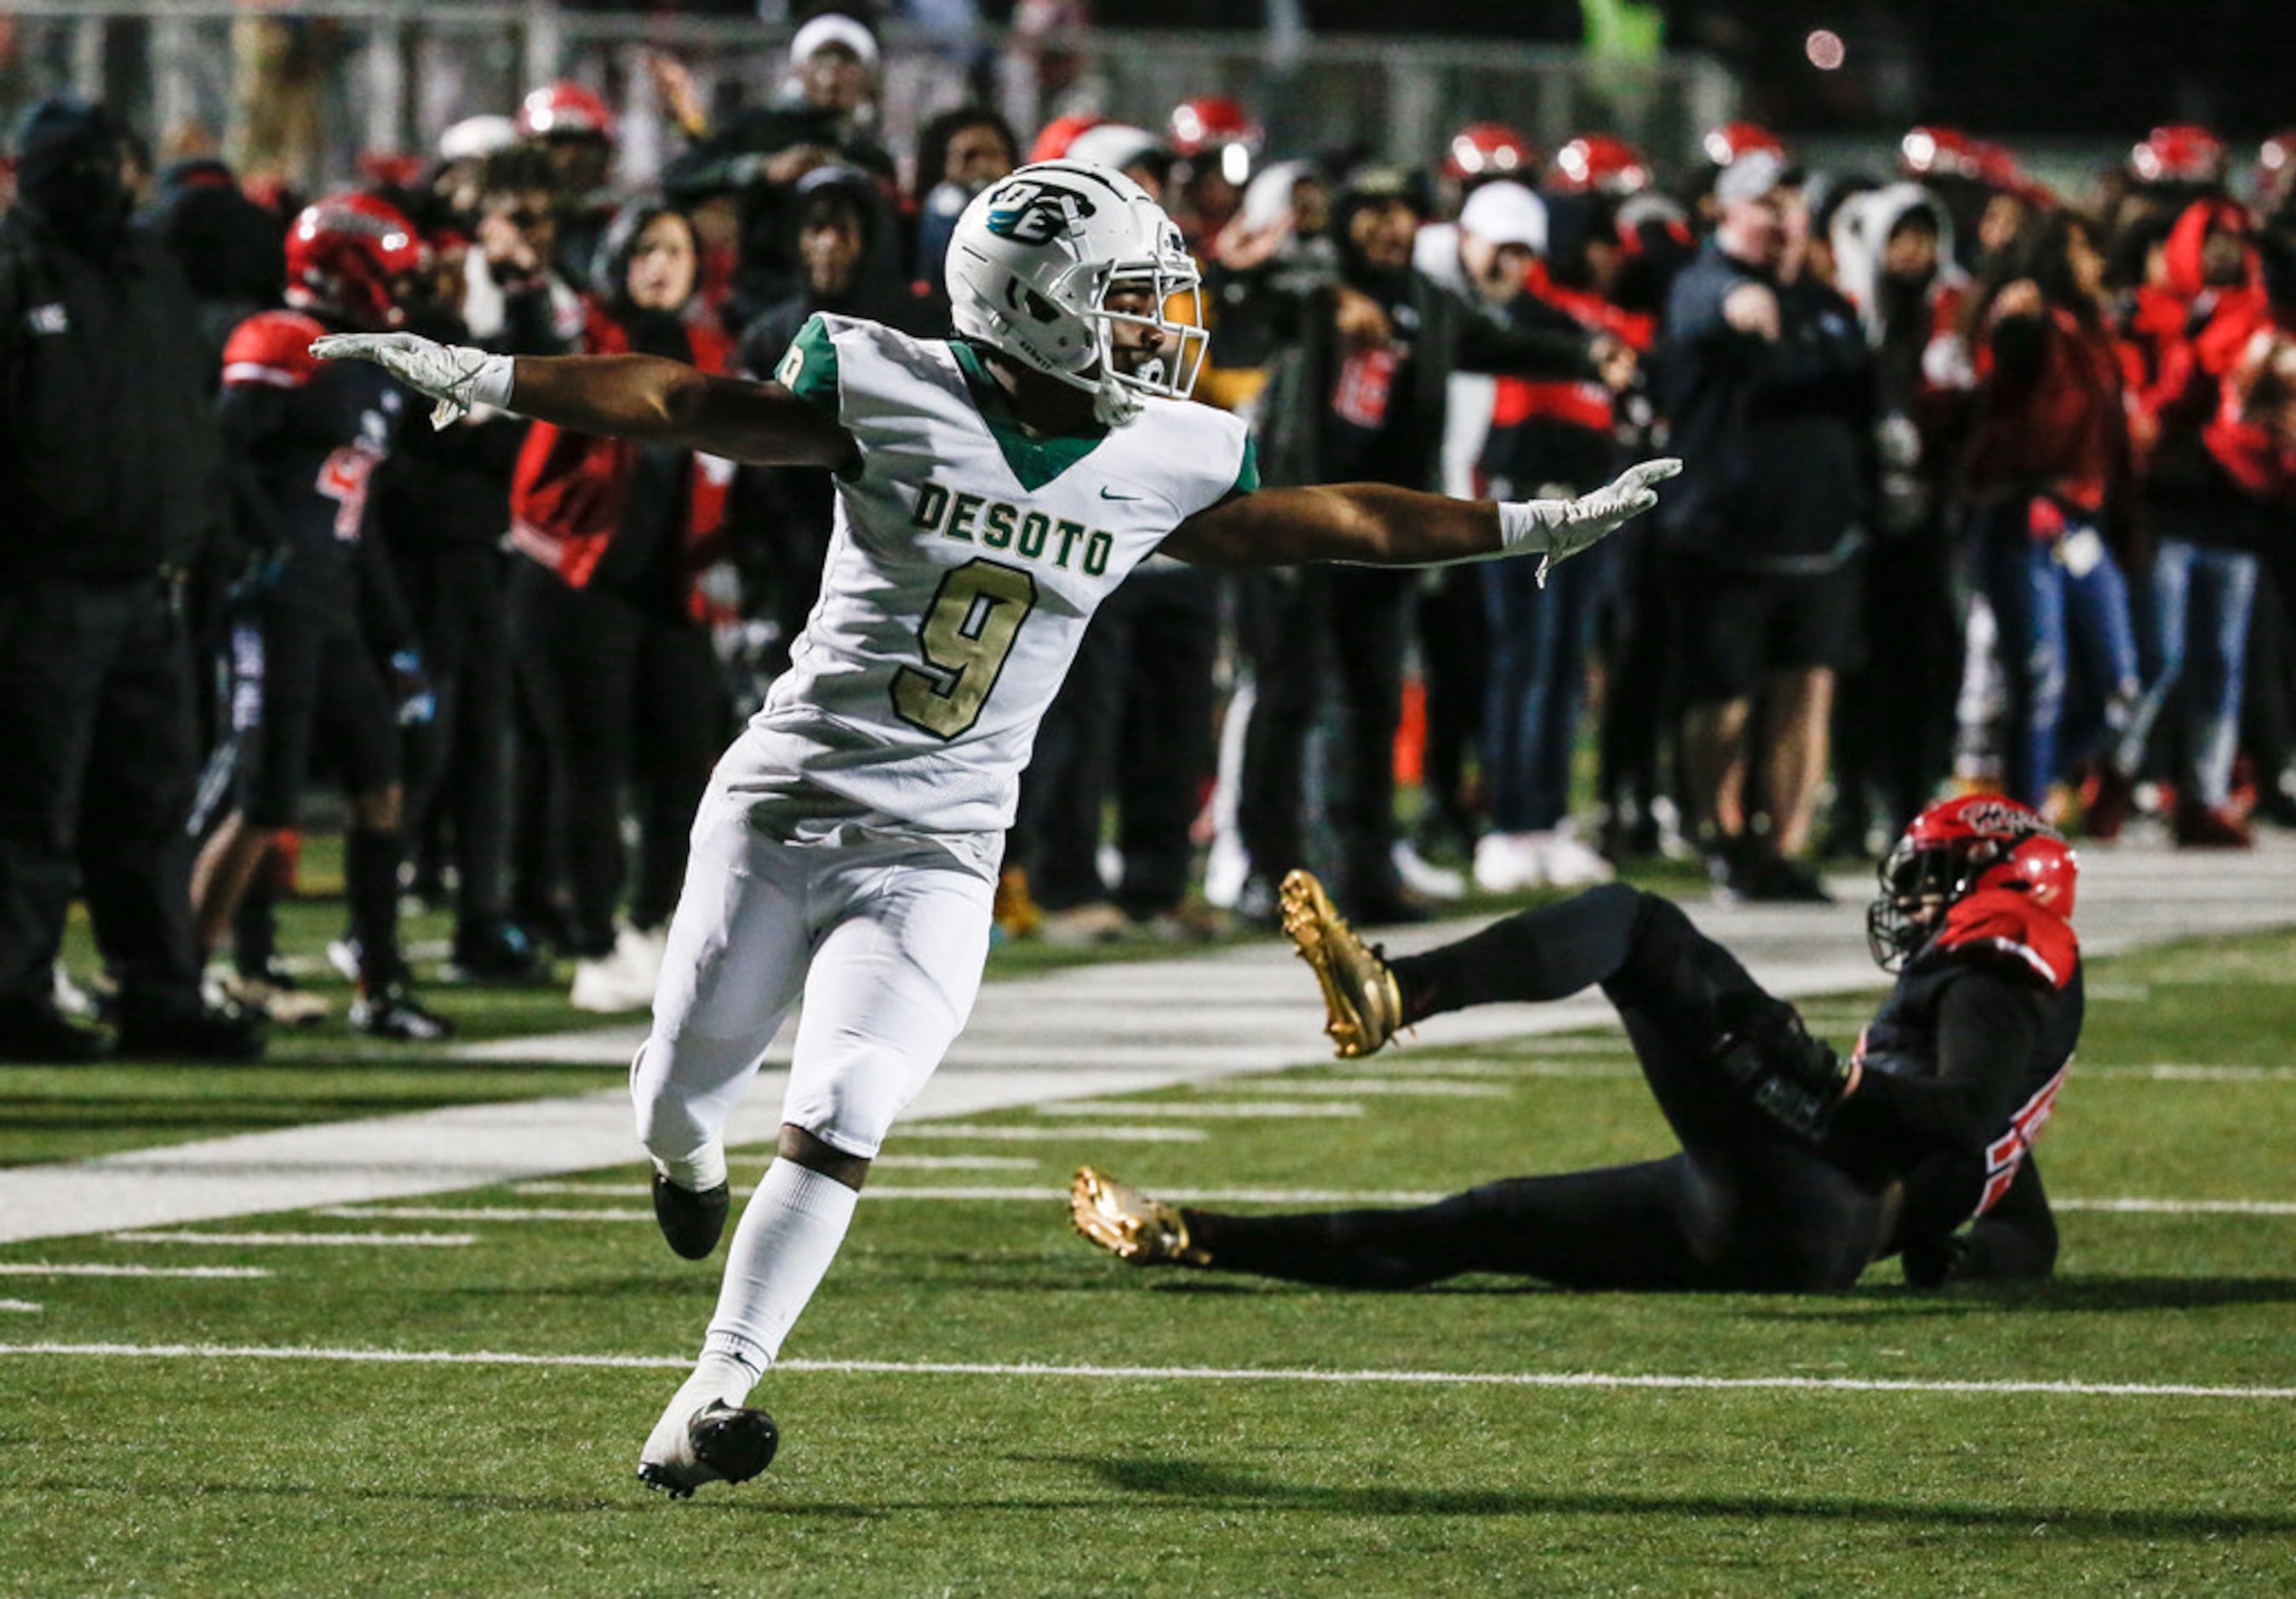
{"type": "Point", "coordinates": [2171, 1071]}
{"type": "Point", "coordinates": [20, 1307]}
{"type": "Point", "coordinates": [473, 1213]}
{"type": "Point", "coordinates": [1172, 1374]}
{"type": "Point", "coordinates": [1111, 1134]}
{"type": "Point", "coordinates": [1011, 1193]}
{"type": "Point", "coordinates": [43, 1269]}
{"type": "Point", "coordinates": [1398, 1088]}
{"type": "Point", "coordinates": [2158, 1207]}
{"type": "Point", "coordinates": [1234, 1109]}
{"type": "Point", "coordinates": [437, 1241]}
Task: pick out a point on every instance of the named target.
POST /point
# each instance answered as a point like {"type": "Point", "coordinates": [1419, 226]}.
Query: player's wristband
{"type": "Point", "coordinates": [490, 384]}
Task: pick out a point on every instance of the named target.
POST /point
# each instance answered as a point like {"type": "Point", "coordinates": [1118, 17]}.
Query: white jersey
{"type": "Point", "coordinates": [967, 558]}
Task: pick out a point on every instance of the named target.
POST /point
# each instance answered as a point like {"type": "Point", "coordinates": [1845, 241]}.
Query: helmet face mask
{"type": "Point", "coordinates": [1954, 849]}
{"type": "Point", "coordinates": [1046, 265]}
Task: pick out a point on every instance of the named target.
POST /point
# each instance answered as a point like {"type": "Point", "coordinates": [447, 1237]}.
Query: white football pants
{"type": "Point", "coordinates": [884, 940]}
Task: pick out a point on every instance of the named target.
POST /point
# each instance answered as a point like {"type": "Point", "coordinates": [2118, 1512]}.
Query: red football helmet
{"type": "Point", "coordinates": [1928, 152]}
{"type": "Point", "coordinates": [1211, 122]}
{"type": "Point", "coordinates": [1727, 142]}
{"type": "Point", "coordinates": [563, 109]}
{"type": "Point", "coordinates": [1598, 164]}
{"type": "Point", "coordinates": [1951, 850]}
{"type": "Point", "coordinates": [1489, 149]}
{"type": "Point", "coordinates": [2178, 154]}
{"type": "Point", "coordinates": [350, 256]}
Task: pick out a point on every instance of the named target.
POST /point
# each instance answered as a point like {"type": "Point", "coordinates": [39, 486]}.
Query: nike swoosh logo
{"type": "Point", "coordinates": [1106, 495]}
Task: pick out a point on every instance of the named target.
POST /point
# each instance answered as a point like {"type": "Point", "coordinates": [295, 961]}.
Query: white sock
{"type": "Point", "coordinates": [789, 1231]}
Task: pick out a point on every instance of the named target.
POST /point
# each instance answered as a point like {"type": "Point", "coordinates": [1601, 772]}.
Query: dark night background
{"type": "Point", "coordinates": [2008, 67]}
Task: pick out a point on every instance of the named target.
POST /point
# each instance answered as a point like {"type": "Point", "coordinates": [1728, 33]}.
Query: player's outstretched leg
{"type": "Point", "coordinates": [1127, 1223]}
{"type": "Point", "coordinates": [1362, 1006]}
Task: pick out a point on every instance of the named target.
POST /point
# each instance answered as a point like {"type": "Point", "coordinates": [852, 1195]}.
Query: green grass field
{"type": "Point", "coordinates": [977, 1403]}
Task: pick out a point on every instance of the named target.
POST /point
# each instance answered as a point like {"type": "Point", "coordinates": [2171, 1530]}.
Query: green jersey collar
{"type": "Point", "coordinates": [1036, 458]}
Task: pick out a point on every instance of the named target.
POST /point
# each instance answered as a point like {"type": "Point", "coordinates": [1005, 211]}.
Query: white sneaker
{"type": "Point", "coordinates": [1508, 863]}
{"type": "Point", "coordinates": [1568, 863]}
{"type": "Point", "coordinates": [623, 981]}
{"type": "Point", "coordinates": [643, 948]}
{"type": "Point", "coordinates": [70, 999]}
{"type": "Point", "coordinates": [1423, 877]}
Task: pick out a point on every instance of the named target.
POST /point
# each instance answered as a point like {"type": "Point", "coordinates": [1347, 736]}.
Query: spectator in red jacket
{"type": "Point", "coordinates": [2045, 482]}
{"type": "Point", "coordinates": [612, 661]}
{"type": "Point", "coordinates": [2192, 621]}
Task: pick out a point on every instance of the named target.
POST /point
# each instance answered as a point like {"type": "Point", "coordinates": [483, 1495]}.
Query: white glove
{"type": "Point", "coordinates": [455, 375]}
{"type": "Point", "coordinates": [1557, 529]}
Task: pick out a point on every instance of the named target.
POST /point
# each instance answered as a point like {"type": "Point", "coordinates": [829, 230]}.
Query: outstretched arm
{"type": "Point", "coordinates": [1371, 524]}
{"type": "Point", "coordinates": [629, 397]}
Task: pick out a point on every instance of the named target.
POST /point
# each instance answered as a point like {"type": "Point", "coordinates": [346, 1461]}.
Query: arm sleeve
{"type": "Point", "coordinates": [2016, 1241]}
{"type": "Point", "coordinates": [248, 416]}
{"type": "Point", "coordinates": [808, 367]}
{"type": "Point", "coordinates": [1987, 1022]}
{"type": "Point", "coordinates": [1534, 346]}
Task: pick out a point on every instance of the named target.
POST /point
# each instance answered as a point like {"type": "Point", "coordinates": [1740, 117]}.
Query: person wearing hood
{"type": "Point", "coordinates": [612, 662]}
{"type": "Point", "coordinates": [842, 251]}
{"type": "Point", "coordinates": [1359, 392]}
{"type": "Point", "coordinates": [109, 466]}
{"type": "Point", "coordinates": [1894, 720]}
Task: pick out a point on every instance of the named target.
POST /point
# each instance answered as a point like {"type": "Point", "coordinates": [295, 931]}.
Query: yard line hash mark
{"type": "Point", "coordinates": [2057, 1387]}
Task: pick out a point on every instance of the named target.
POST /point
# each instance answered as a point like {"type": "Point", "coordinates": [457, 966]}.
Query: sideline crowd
{"type": "Point", "coordinates": [1986, 485]}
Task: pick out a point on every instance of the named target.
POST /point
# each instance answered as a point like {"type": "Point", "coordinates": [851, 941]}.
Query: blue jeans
{"type": "Point", "coordinates": [2046, 612]}
{"type": "Point", "coordinates": [2202, 598]}
{"type": "Point", "coordinates": [1538, 640]}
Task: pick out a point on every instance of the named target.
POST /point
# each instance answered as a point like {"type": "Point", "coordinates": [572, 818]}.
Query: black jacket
{"type": "Point", "coordinates": [1448, 335]}
{"type": "Point", "coordinates": [110, 456]}
{"type": "Point", "coordinates": [1775, 437]}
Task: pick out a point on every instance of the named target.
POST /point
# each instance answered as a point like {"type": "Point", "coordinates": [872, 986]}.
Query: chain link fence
{"type": "Point", "coordinates": [304, 90]}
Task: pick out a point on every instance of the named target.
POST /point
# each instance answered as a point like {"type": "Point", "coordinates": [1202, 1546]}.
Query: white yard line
{"type": "Point", "coordinates": [430, 1241]}
{"type": "Point", "coordinates": [19, 1308]}
{"type": "Point", "coordinates": [1224, 1109]}
{"type": "Point", "coordinates": [1111, 1132]}
{"type": "Point", "coordinates": [1018, 1194]}
{"type": "Point", "coordinates": [43, 1268]}
{"type": "Point", "coordinates": [1028, 1372]}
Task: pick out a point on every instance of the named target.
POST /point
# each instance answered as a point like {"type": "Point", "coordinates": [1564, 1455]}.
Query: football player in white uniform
{"type": "Point", "coordinates": [991, 490]}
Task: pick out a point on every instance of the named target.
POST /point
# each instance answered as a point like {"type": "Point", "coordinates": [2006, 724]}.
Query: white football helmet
{"type": "Point", "coordinates": [1031, 264]}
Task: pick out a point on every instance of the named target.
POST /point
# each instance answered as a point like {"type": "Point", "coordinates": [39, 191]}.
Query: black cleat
{"type": "Point", "coordinates": [222, 1033]}
{"type": "Point", "coordinates": [691, 1222]}
{"type": "Point", "coordinates": [722, 1443]}
{"type": "Point", "coordinates": [501, 956]}
{"type": "Point", "coordinates": [391, 1013]}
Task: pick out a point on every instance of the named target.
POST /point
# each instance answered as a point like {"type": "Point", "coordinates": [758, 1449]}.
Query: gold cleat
{"type": "Point", "coordinates": [1129, 1224]}
{"type": "Point", "coordinates": [1362, 1004]}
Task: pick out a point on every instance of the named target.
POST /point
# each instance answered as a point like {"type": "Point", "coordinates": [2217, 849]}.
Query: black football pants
{"type": "Point", "coordinates": [95, 693]}
{"type": "Point", "coordinates": [1743, 1206]}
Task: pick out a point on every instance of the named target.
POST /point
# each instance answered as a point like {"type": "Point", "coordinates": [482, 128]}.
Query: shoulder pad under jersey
{"type": "Point", "coordinates": [272, 350]}
{"type": "Point", "coordinates": [2006, 925]}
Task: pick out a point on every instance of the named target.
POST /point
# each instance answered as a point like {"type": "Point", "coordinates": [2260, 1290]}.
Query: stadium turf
{"type": "Point", "coordinates": [978, 1403]}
